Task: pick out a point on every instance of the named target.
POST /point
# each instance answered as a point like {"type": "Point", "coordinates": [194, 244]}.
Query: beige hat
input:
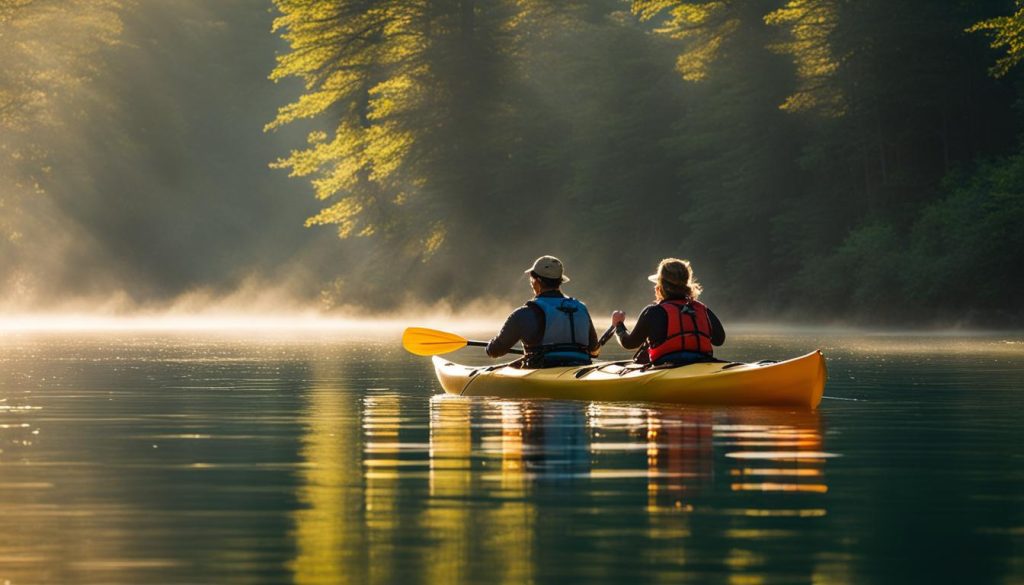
{"type": "Point", "coordinates": [548, 267]}
{"type": "Point", "coordinates": [672, 271]}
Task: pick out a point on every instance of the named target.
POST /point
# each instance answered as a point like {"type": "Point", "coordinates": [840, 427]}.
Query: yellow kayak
{"type": "Point", "coordinates": [796, 382]}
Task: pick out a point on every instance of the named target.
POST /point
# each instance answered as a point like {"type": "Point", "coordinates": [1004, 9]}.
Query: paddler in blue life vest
{"type": "Point", "coordinates": [677, 328]}
{"type": "Point", "coordinates": [556, 330]}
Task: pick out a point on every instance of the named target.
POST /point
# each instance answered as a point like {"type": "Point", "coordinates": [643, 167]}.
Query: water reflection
{"type": "Point", "coordinates": [328, 536]}
{"type": "Point", "coordinates": [773, 456]}
{"type": "Point", "coordinates": [549, 442]}
{"type": "Point", "coordinates": [680, 458]}
{"type": "Point", "coordinates": [382, 418]}
{"type": "Point", "coordinates": [187, 460]}
{"type": "Point", "coordinates": [476, 485]}
{"type": "Point", "coordinates": [446, 517]}
{"type": "Point", "coordinates": [159, 460]}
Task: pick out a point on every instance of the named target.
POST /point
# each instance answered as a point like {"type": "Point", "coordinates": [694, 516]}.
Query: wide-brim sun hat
{"type": "Point", "coordinates": [667, 276]}
{"type": "Point", "coordinates": [548, 267]}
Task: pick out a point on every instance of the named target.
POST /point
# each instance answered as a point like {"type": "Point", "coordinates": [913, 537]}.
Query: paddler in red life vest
{"type": "Point", "coordinates": [556, 330]}
{"type": "Point", "coordinates": [678, 328]}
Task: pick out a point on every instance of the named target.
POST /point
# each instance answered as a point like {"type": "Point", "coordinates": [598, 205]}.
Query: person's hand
{"type": "Point", "coordinates": [618, 317]}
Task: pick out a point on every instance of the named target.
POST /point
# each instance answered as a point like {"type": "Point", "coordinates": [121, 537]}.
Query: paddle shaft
{"type": "Point", "coordinates": [484, 344]}
{"type": "Point", "coordinates": [603, 340]}
{"type": "Point", "coordinates": [600, 342]}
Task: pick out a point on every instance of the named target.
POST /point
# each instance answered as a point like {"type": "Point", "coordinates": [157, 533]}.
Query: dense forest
{"type": "Point", "coordinates": [858, 158]}
{"type": "Point", "coordinates": [853, 160]}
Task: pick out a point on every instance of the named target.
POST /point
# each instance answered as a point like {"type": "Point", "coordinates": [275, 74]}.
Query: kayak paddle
{"type": "Point", "coordinates": [423, 341]}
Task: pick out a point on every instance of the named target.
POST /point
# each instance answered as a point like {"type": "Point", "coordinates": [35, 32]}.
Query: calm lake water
{"type": "Point", "coordinates": [331, 458]}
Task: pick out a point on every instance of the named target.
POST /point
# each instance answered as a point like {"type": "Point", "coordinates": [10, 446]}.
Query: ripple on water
{"type": "Point", "coordinates": [174, 458]}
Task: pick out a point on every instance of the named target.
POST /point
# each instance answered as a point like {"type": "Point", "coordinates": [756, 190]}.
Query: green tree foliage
{"type": "Point", "coordinates": [809, 25]}
{"type": "Point", "coordinates": [48, 51]}
{"type": "Point", "coordinates": [366, 62]}
{"type": "Point", "coordinates": [969, 244]}
{"type": "Point", "coordinates": [461, 122]}
{"type": "Point", "coordinates": [735, 146]}
{"type": "Point", "coordinates": [596, 156]}
{"type": "Point", "coordinates": [908, 124]}
{"type": "Point", "coordinates": [804, 153]}
{"type": "Point", "coordinates": [1007, 33]}
{"type": "Point", "coordinates": [965, 245]}
{"type": "Point", "coordinates": [703, 28]}
{"type": "Point", "coordinates": [413, 95]}
{"type": "Point", "coordinates": [808, 155]}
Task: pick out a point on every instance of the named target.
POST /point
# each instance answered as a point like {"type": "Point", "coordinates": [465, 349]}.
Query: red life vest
{"type": "Point", "coordinates": [689, 329]}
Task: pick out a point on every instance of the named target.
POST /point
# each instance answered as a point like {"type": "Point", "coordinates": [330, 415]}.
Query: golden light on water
{"type": "Point", "coordinates": [382, 418]}
{"type": "Point", "coordinates": [779, 513]}
{"type": "Point", "coordinates": [327, 549]}
{"type": "Point", "coordinates": [782, 455]}
{"type": "Point", "coordinates": [369, 469]}
{"type": "Point", "coordinates": [780, 487]}
{"type": "Point", "coordinates": [798, 472]}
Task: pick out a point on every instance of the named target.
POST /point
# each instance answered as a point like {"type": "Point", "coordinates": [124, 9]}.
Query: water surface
{"type": "Point", "coordinates": [331, 458]}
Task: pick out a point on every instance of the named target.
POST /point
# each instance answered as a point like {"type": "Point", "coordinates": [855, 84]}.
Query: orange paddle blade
{"type": "Point", "coordinates": [423, 341]}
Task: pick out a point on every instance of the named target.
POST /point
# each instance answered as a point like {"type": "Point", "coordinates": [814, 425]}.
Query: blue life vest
{"type": "Point", "coordinates": [566, 332]}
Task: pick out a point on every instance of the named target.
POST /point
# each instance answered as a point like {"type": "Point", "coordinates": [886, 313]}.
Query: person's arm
{"type": "Point", "coordinates": [510, 334]}
{"type": "Point", "coordinates": [593, 347]}
{"type": "Point", "coordinates": [717, 331]}
{"type": "Point", "coordinates": [634, 339]}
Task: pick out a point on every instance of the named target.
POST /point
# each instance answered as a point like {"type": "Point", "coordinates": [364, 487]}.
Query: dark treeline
{"type": "Point", "coordinates": [820, 157]}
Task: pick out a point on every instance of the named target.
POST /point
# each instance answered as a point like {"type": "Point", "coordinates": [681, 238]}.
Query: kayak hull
{"type": "Point", "coordinates": [797, 382]}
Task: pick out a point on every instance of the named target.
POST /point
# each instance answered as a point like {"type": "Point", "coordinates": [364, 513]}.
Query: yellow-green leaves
{"type": "Point", "coordinates": [435, 238]}
{"type": "Point", "coordinates": [1007, 32]}
{"type": "Point", "coordinates": [705, 27]}
{"type": "Point", "coordinates": [361, 62]}
{"type": "Point", "coordinates": [808, 25]}
{"type": "Point", "coordinates": [344, 214]}
{"type": "Point", "coordinates": [702, 27]}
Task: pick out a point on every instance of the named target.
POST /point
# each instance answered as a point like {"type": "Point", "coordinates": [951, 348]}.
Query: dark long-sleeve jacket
{"type": "Point", "coordinates": [652, 326]}
{"type": "Point", "coordinates": [526, 324]}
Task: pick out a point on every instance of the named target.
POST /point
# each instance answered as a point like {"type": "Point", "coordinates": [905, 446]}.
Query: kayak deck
{"type": "Point", "coordinates": [796, 382]}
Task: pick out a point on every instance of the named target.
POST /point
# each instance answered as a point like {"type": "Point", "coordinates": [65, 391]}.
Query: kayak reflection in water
{"type": "Point", "coordinates": [556, 330]}
{"type": "Point", "coordinates": [556, 441]}
{"type": "Point", "coordinates": [677, 328]}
